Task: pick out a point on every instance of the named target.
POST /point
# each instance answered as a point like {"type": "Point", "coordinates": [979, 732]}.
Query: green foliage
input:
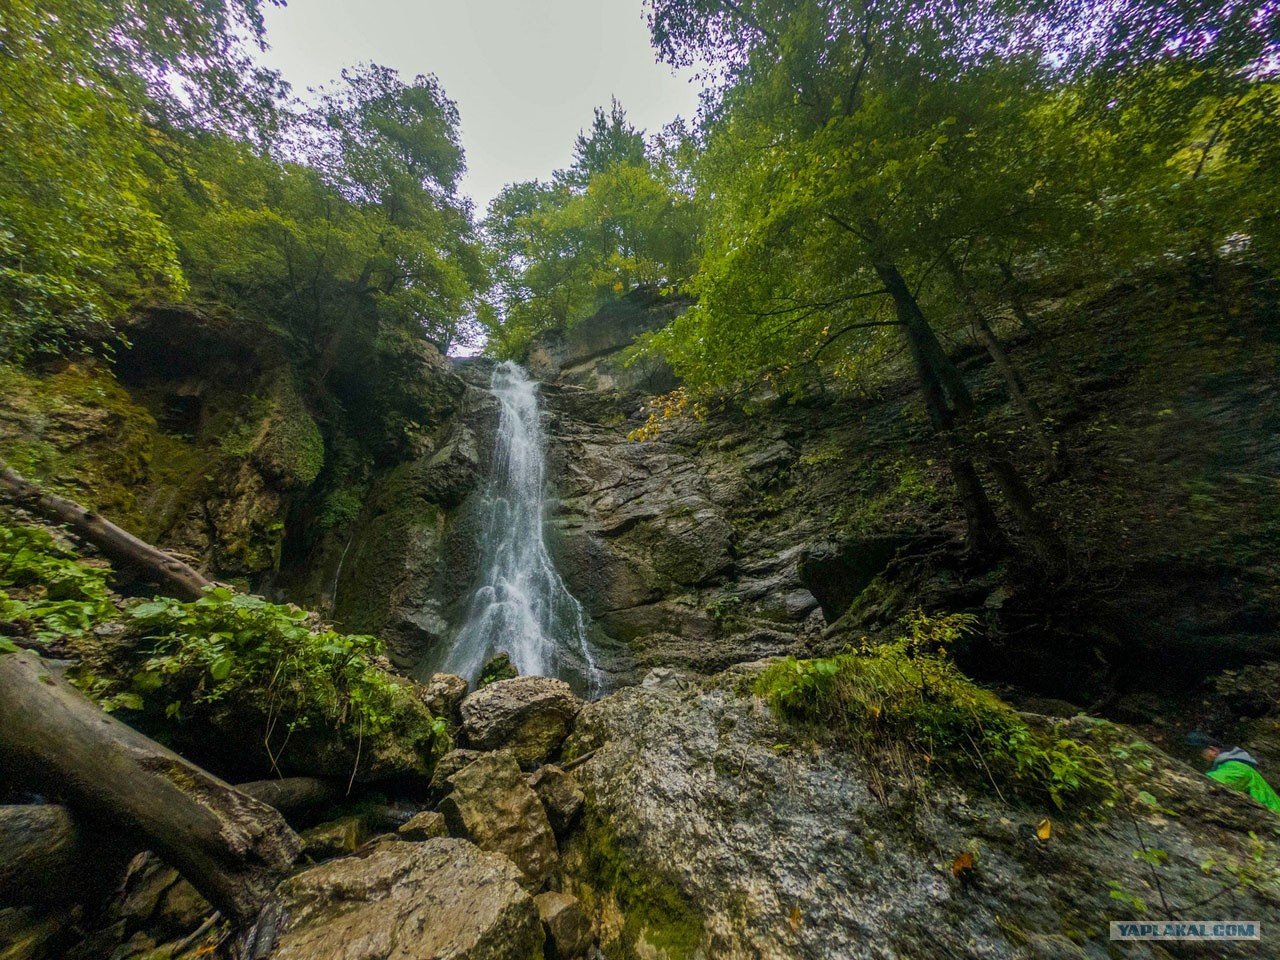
{"type": "Point", "coordinates": [619, 218]}
{"type": "Point", "coordinates": [843, 138]}
{"type": "Point", "coordinates": [910, 489]}
{"type": "Point", "coordinates": [230, 646]}
{"type": "Point", "coordinates": [44, 591]}
{"type": "Point", "coordinates": [497, 668]}
{"type": "Point", "coordinates": [907, 704]}
{"type": "Point", "coordinates": [85, 89]}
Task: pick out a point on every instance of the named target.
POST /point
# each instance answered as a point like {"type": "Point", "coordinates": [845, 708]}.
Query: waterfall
{"type": "Point", "coordinates": [520, 605]}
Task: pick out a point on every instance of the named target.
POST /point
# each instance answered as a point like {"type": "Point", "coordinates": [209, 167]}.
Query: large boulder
{"type": "Point", "coordinates": [566, 925]}
{"type": "Point", "coordinates": [440, 900]}
{"type": "Point", "coordinates": [442, 694]}
{"type": "Point", "coordinates": [493, 806]}
{"type": "Point", "coordinates": [560, 795]}
{"type": "Point", "coordinates": [529, 716]}
{"type": "Point", "coordinates": [712, 828]}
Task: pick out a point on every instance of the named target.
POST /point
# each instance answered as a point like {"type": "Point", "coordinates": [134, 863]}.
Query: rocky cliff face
{"type": "Point", "coordinates": [806, 525]}
{"type": "Point", "coordinates": [711, 829]}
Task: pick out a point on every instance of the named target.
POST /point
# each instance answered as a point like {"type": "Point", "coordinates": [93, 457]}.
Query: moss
{"type": "Point", "coordinates": [79, 433]}
{"type": "Point", "coordinates": [657, 918]}
{"type": "Point", "coordinates": [912, 711]}
{"type": "Point", "coordinates": [280, 436]}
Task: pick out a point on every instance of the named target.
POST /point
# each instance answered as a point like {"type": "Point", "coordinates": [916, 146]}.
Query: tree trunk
{"type": "Point", "coordinates": [168, 572]}
{"type": "Point", "coordinates": [291, 794]}
{"type": "Point", "coordinates": [44, 850]}
{"type": "Point", "coordinates": [232, 848]}
{"type": "Point", "coordinates": [1026, 404]}
{"type": "Point", "coordinates": [1016, 300]}
{"type": "Point", "coordinates": [932, 359]}
{"type": "Point", "coordinates": [980, 518]}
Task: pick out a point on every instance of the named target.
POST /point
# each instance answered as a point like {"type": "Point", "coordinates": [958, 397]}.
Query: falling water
{"type": "Point", "coordinates": [521, 606]}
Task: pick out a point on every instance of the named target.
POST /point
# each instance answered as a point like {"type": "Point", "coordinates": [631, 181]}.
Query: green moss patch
{"type": "Point", "coordinates": [658, 920]}
{"type": "Point", "coordinates": [907, 706]}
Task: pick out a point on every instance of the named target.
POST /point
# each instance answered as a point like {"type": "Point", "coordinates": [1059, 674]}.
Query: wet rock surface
{"type": "Point", "coordinates": [560, 795]}
{"type": "Point", "coordinates": [527, 716]}
{"type": "Point", "coordinates": [492, 805]}
{"type": "Point", "coordinates": [440, 899]}
{"type": "Point", "coordinates": [702, 836]}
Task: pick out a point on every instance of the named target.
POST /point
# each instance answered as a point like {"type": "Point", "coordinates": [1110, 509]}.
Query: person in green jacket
{"type": "Point", "coordinates": [1236, 768]}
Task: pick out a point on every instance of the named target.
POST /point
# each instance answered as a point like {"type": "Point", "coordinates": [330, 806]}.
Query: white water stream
{"type": "Point", "coordinates": [520, 605]}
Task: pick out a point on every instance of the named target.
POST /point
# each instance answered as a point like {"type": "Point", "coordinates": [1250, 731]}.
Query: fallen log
{"type": "Point", "coordinates": [46, 856]}
{"type": "Point", "coordinates": [165, 570]}
{"type": "Point", "coordinates": [291, 794]}
{"type": "Point", "coordinates": [232, 848]}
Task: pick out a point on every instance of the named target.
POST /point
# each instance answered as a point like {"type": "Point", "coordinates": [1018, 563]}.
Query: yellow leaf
{"type": "Point", "coordinates": [794, 919]}
{"type": "Point", "coordinates": [1044, 829]}
{"type": "Point", "coordinates": [962, 864]}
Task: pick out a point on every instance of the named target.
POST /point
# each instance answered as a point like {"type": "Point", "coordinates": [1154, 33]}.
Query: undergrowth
{"type": "Point", "coordinates": [908, 707]}
{"type": "Point", "coordinates": [45, 593]}
{"type": "Point", "coordinates": [225, 647]}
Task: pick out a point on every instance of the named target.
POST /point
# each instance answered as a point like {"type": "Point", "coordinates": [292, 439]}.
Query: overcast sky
{"type": "Point", "coordinates": [525, 73]}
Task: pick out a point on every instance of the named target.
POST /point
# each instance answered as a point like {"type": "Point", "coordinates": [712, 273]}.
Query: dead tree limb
{"type": "Point", "coordinates": [232, 848]}
{"type": "Point", "coordinates": [168, 572]}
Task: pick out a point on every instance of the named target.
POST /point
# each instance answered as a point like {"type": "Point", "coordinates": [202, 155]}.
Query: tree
{"type": "Point", "coordinates": [620, 217]}
{"type": "Point", "coordinates": [85, 89]}
{"type": "Point", "coordinates": [823, 154]}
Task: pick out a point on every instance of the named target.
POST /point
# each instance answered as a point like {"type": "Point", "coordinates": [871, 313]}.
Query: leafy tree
{"type": "Point", "coordinates": [888, 172]}
{"type": "Point", "coordinates": [823, 156]}
{"type": "Point", "coordinates": [620, 217]}
{"type": "Point", "coordinates": [85, 86]}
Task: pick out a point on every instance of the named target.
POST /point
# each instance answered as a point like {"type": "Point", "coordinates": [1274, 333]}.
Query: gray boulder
{"type": "Point", "coordinates": [711, 828]}
{"type": "Point", "coordinates": [493, 806]}
{"type": "Point", "coordinates": [440, 900]}
{"type": "Point", "coordinates": [560, 795]}
{"type": "Point", "coordinates": [566, 925]}
{"type": "Point", "coordinates": [530, 716]}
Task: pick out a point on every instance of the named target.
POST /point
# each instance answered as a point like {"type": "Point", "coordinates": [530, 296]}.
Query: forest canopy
{"type": "Point", "coordinates": [147, 156]}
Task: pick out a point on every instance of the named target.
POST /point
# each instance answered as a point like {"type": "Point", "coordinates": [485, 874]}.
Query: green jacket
{"type": "Point", "coordinates": [1237, 770]}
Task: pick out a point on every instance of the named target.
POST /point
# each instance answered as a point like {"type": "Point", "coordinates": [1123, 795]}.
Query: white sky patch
{"type": "Point", "coordinates": [525, 73]}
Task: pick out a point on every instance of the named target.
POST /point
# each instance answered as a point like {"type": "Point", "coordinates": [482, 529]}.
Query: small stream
{"type": "Point", "coordinates": [520, 605]}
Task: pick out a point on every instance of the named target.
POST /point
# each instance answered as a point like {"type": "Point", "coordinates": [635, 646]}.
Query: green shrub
{"type": "Point", "coordinates": [906, 703]}
{"type": "Point", "coordinates": [45, 592]}
{"type": "Point", "coordinates": [232, 646]}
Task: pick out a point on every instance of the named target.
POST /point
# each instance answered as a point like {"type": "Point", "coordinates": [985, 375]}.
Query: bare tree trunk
{"type": "Point", "coordinates": [168, 572]}
{"type": "Point", "coordinates": [980, 518]}
{"type": "Point", "coordinates": [1017, 495]}
{"type": "Point", "coordinates": [1016, 300]}
{"type": "Point", "coordinates": [1026, 404]}
{"type": "Point", "coordinates": [44, 849]}
{"type": "Point", "coordinates": [231, 848]}
{"type": "Point", "coordinates": [290, 794]}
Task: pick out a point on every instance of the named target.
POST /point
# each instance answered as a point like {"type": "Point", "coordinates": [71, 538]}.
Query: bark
{"type": "Point", "coordinates": [291, 794]}
{"type": "Point", "coordinates": [168, 572]}
{"type": "Point", "coordinates": [232, 848]}
{"type": "Point", "coordinates": [1016, 300]}
{"type": "Point", "coordinates": [47, 856]}
{"type": "Point", "coordinates": [933, 365]}
{"type": "Point", "coordinates": [1021, 398]}
{"type": "Point", "coordinates": [980, 518]}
